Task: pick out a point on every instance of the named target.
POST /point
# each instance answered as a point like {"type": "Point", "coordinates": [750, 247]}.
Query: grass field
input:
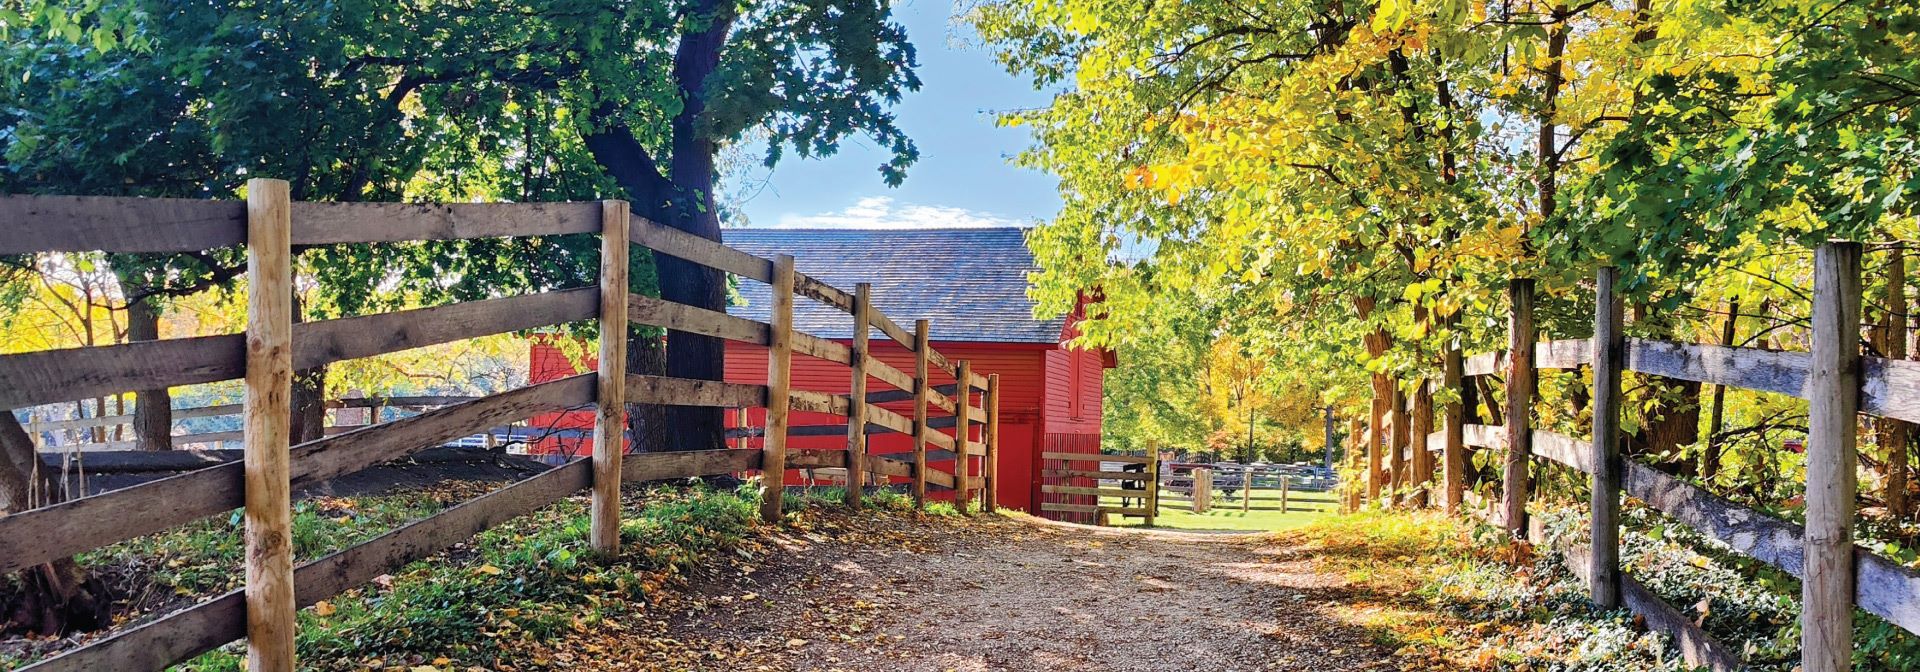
{"type": "Point", "coordinates": [1305, 508]}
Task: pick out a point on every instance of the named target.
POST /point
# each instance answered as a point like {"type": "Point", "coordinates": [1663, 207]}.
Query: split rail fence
{"type": "Point", "coordinates": [269, 225]}
{"type": "Point", "coordinates": [1839, 383]}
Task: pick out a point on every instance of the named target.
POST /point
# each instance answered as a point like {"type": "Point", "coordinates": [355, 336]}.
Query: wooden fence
{"type": "Point", "coordinates": [269, 224]}
{"type": "Point", "coordinates": [1076, 482]}
{"type": "Point", "coordinates": [1837, 575]}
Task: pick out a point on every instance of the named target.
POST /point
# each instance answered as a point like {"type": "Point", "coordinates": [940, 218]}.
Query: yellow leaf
{"type": "Point", "coordinates": [323, 608]}
{"type": "Point", "coordinates": [489, 570]}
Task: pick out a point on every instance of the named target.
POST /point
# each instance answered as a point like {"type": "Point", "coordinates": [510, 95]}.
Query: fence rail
{"type": "Point", "coordinates": [1835, 378]}
{"type": "Point", "coordinates": [272, 347]}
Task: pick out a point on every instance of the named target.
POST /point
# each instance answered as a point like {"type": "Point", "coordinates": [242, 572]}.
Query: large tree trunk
{"type": "Point", "coordinates": [57, 597]}
{"type": "Point", "coordinates": [152, 409]}
{"type": "Point", "coordinates": [1672, 417]}
{"type": "Point", "coordinates": [308, 399]}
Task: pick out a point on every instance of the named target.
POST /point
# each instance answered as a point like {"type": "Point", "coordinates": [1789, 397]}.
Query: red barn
{"type": "Point", "coordinates": [972, 286]}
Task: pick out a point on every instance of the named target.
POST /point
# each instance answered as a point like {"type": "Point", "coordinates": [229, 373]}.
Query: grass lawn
{"type": "Point", "coordinates": [1304, 508]}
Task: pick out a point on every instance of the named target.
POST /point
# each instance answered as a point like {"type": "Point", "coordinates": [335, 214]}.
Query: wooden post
{"type": "Point", "coordinates": [1833, 390]}
{"type": "Point", "coordinates": [1520, 385]}
{"type": "Point", "coordinates": [1356, 444]}
{"type": "Point", "coordinates": [991, 437]}
{"type": "Point", "coordinates": [1609, 353]}
{"type": "Point", "coordinates": [773, 463]}
{"type": "Point", "coordinates": [1376, 432]}
{"type": "Point", "coordinates": [267, 429]}
{"type": "Point", "coordinates": [1454, 419]}
{"type": "Point", "coordinates": [1246, 489]}
{"type": "Point", "coordinates": [1397, 442]}
{"type": "Point", "coordinates": [962, 403]}
{"type": "Point", "coordinates": [1285, 484]}
{"type": "Point", "coordinates": [857, 408]}
{"type": "Point", "coordinates": [921, 386]}
{"type": "Point", "coordinates": [1202, 489]}
{"type": "Point", "coordinates": [1153, 482]}
{"type": "Point", "coordinates": [610, 417]}
{"type": "Point", "coordinates": [1422, 457]}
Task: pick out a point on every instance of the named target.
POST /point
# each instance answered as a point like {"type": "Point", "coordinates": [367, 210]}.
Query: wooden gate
{"type": "Point", "coordinates": [1089, 487]}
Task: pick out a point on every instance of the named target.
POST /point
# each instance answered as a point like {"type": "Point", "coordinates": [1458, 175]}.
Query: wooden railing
{"type": "Point", "coordinates": [269, 225]}
{"type": "Point", "coordinates": [1836, 574]}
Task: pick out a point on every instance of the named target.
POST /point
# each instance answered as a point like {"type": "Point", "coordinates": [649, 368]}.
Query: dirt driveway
{"type": "Point", "coordinates": [891, 593]}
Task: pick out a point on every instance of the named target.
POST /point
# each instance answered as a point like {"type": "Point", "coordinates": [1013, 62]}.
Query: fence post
{"type": "Point", "coordinates": [991, 436]}
{"type": "Point", "coordinates": [1422, 455]}
{"type": "Point", "coordinates": [1376, 434]}
{"type": "Point", "coordinates": [1153, 482]}
{"type": "Point", "coordinates": [1286, 483]}
{"type": "Point", "coordinates": [1833, 388]}
{"type": "Point", "coordinates": [962, 404]}
{"type": "Point", "coordinates": [268, 409]}
{"type": "Point", "coordinates": [1202, 489]}
{"type": "Point", "coordinates": [1520, 385]}
{"type": "Point", "coordinates": [609, 420]}
{"type": "Point", "coordinates": [857, 406]}
{"type": "Point", "coordinates": [1609, 349]}
{"type": "Point", "coordinates": [921, 386]}
{"type": "Point", "coordinates": [1454, 419]}
{"type": "Point", "coordinates": [773, 450]}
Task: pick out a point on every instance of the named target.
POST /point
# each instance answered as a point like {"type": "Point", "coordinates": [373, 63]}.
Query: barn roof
{"type": "Point", "coordinates": [972, 283]}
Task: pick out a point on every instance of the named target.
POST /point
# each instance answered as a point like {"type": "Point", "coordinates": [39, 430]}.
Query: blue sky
{"type": "Point", "coordinates": [963, 177]}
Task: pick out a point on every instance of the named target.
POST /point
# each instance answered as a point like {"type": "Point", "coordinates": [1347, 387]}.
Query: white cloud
{"type": "Point", "coordinates": [881, 212]}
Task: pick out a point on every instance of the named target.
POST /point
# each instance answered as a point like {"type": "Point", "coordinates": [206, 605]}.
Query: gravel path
{"type": "Point", "coordinates": [891, 593]}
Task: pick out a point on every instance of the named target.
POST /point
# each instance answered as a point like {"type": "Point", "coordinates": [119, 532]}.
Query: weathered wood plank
{"type": "Point", "coordinates": [1105, 475]}
{"type": "Point", "coordinates": [886, 373]}
{"type": "Point", "coordinates": [1763, 370]}
{"type": "Point", "coordinates": [815, 459]}
{"type": "Point", "coordinates": [119, 224]}
{"type": "Point", "coordinates": [681, 317]}
{"type": "Point", "coordinates": [820, 402]}
{"type": "Point", "coordinates": [1563, 449]}
{"type": "Point", "coordinates": [814, 346]}
{"type": "Point", "coordinates": [813, 288]}
{"type": "Point", "coordinates": [887, 466]}
{"type": "Point", "coordinates": [667, 391]}
{"type": "Point", "coordinates": [325, 223]}
{"type": "Point", "coordinates": [50, 376]}
{"type": "Point", "coordinates": [676, 243]}
{"type": "Point", "coordinates": [1570, 353]}
{"type": "Point", "coordinates": [642, 467]}
{"type": "Point", "coordinates": [1484, 364]}
{"type": "Point", "coordinates": [40, 535]}
{"type": "Point", "coordinates": [990, 436]}
{"type": "Point", "coordinates": [889, 419]}
{"type": "Point", "coordinates": [1096, 457]}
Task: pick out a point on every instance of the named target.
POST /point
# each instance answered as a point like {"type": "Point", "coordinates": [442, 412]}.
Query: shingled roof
{"type": "Point", "coordinates": [972, 283]}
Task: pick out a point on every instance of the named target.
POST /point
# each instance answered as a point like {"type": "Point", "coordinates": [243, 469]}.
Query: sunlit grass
{"type": "Point", "coordinates": [1304, 508]}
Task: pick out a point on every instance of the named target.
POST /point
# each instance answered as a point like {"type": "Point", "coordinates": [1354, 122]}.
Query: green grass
{"type": "Point", "coordinates": [1226, 513]}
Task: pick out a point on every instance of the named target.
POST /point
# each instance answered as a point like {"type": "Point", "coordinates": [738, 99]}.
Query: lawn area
{"type": "Point", "coordinates": [1304, 508]}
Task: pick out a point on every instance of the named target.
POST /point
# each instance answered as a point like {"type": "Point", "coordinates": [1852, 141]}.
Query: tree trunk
{"type": "Point", "coordinates": [1716, 420]}
{"type": "Point", "coordinates": [1672, 417]}
{"type": "Point", "coordinates": [308, 398]}
{"type": "Point", "coordinates": [152, 409]}
{"type": "Point", "coordinates": [57, 597]}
